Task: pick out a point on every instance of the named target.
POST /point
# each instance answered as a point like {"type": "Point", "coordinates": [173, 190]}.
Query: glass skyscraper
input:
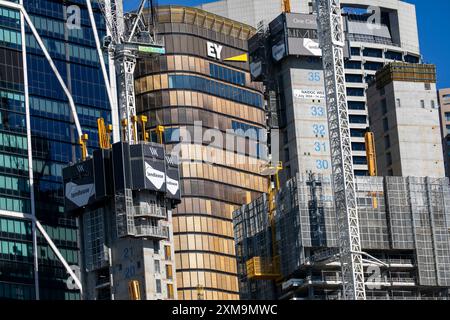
{"type": "Point", "coordinates": [29, 268]}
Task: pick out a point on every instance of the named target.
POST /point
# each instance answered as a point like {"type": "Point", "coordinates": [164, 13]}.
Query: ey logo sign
{"type": "Point", "coordinates": [214, 50]}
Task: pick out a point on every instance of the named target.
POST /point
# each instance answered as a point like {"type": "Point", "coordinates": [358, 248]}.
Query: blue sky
{"type": "Point", "coordinates": [434, 31]}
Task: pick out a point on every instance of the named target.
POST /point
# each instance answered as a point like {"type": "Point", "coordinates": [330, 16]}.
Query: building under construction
{"type": "Point", "coordinates": [404, 229]}
{"type": "Point", "coordinates": [124, 197]}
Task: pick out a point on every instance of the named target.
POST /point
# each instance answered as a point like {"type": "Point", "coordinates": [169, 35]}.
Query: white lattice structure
{"type": "Point", "coordinates": [331, 35]}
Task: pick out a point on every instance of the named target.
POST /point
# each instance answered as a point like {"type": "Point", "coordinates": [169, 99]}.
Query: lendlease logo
{"type": "Point", "coordinates": [79, 195]}
{"type": "Point", "coordinates": [156, 177]}
{"type": "Point", "coordinates": [172, 185]}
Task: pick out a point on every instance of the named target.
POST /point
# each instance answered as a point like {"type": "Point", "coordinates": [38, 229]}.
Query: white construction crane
{"type": "Point", "coordinates": [331, 37]}
{"type": "Point", "coordinates": [128, 35]}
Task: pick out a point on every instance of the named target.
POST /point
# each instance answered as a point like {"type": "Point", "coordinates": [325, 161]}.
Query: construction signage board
{"type": "Point", "coordinates": [302, 35]}
{"type": "Point", "coordinates": [173, 177]}
{"type": "Point", "coordinates": [309, 94]}
{"type": "Point", "coordinates": [148, 167]}
{"type": "Point", "coordinates": [151, 49]}
{"type": "Point", "coordinates": [143, 166]}
{"type": "Point", "coordinates": [84, 183]}
{"type": "Point", "coordinates": [154, 168]}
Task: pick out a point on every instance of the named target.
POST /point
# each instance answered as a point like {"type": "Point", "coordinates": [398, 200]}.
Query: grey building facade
{"type": "Point", "coordinates": [286, 57]}
{"type": "Point", "coordinates": [444, 105]}
{"type": "Point", "coordinates": [377, 33]}
{"type": "Point", "coordinates": [404, 226]}
{"type": "Point", "coordinates": [404, 118]}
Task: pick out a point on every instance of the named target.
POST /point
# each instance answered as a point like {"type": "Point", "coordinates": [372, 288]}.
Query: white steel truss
{"type": "Point", "coordinates": [124, 60]}
{"type": "Point", "coordinates": [112, 10]}
{"type": "Point", "coordinates": [331, 36]}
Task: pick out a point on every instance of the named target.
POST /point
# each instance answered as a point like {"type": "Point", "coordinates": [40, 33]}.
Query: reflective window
{"type": "Point", "coordinates": [353, 65]}
{"type": "Point", "coordinates": [375, 53]}
{"type": "Point", "coordinates": [373, 66]}
{"type": "Point", "coordinates": [356, 105]}
{"type": "Point", "coordinates": [355, 51]}
{"type": "Point", "coordinates": [215, 88]}
{"type": "Point", "coordinates": [392, 55]}
{"type": "Point", "coordinates": [357, 78]}
{"type": "Point", "coordinates": [412, 59]}
{"type": "Point", "coordinates": [358, 133]}
{"type": "Point", "coordinates": [355, 92]}
{"type": "Point", "coordinates": [358, 146]}
{"type": "Point", "coordinates": [357, 118]}
{"type": "Point", "coordinates": [226, 74]}
{"type": "Point", "coordinates": [447, 116]}
{"type": "Point", "coordinates": [358, 160]}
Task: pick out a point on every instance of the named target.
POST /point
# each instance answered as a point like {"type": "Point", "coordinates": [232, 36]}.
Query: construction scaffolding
{"type": "Point", "coordinates": [253, 240]}
{"type": "Point", "coordinates": [409, 72]}
{"type": "Point", "coordinates": [404, 227]}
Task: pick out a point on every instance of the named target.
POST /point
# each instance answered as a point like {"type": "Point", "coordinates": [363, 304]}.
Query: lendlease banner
{"type": "Point", "coordinates": [79, 195]}
{"type": "Point", "coordinates": [173, 177]}
{"type": "Point", "coordinates": [79, 185]}
{"type": "Point", "coordinates": [143, 166]}
{"type": "Point", "coordinates": [147, 167]}
{"type": "Point", "coordinates": [155, 179]}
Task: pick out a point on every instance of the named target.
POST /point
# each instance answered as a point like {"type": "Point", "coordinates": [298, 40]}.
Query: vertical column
{"type": "Point", "coordinates": [30, 153]}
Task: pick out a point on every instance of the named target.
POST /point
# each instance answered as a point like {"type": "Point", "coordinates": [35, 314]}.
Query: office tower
{"type": "Point", "coordinates": [376, 36]}
{"type": "Point", "coordinates": [404, 226]}
{"type": "Point", "coordinates": [204, 77]}
{"type": "Point", "coordinates": [250, 12]}
{"type": "Point", "coordinates": [404, 117]}
{"type": "Point", "coordinates": [444, 104]}
{"type": "Point", "coordinates": [286, 57]}
{"type": "Point", "coordinates": [30, 269]}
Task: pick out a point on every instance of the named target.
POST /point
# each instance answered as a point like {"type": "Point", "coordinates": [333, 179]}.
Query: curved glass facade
{"type": "Point", "coordinates": [192, 90]}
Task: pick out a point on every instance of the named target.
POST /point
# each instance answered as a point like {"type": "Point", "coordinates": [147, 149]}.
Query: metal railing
{"type": "Point", "coordinates": [150, 210]}
{"type": "Point", "coordinates": [160, 232]}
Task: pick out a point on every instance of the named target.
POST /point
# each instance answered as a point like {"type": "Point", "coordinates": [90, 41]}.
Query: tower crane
{"type": "Point", "coordinates": [331, 38]}
{"type": "Point", "coordinates": [128, 35]}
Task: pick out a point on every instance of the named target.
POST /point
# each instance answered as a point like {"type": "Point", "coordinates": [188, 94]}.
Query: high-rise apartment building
{"type": "Point", "coordinates": [404, 118]}
{"type": "Point", "coordinates": [46, 141]}
{"type": "Point", "coordinates": [199, 90]}
{"type": "Point", "coordinates": [377, 33]}
{"type": "Point", "coordinates": [444, 104]}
